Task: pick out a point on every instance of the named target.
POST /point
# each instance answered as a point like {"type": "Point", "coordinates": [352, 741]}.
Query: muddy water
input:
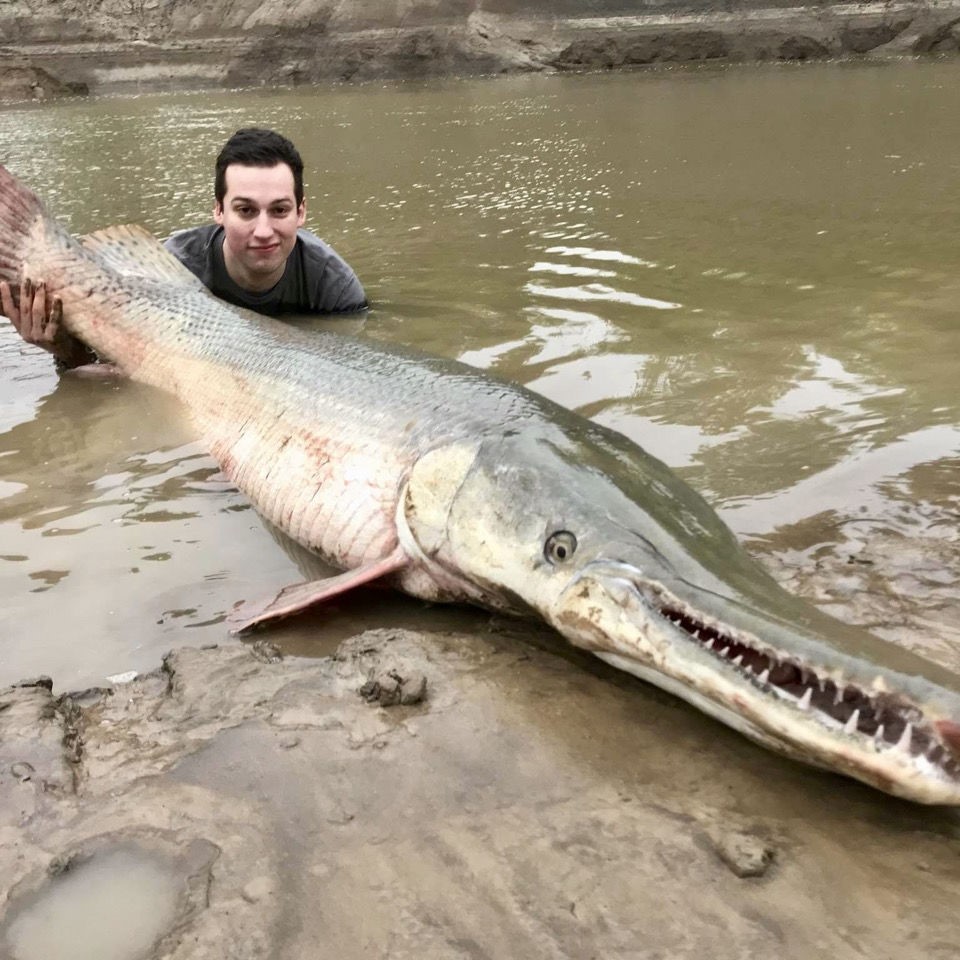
{"type": "Point", "coordinates": [111, 908]}
{"type": "Point", "coordinates": [752, 271]}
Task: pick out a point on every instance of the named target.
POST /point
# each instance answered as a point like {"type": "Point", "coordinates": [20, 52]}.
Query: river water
{"type": "Point", "coordinates": [750, 270]}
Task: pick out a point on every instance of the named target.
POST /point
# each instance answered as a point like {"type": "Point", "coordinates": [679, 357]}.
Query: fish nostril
{"type": "Point", "coordinates": [949, 732]}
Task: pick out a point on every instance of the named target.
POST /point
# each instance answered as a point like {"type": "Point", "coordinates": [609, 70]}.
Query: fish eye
{"type": "Point", "coordinates": [560, 546]}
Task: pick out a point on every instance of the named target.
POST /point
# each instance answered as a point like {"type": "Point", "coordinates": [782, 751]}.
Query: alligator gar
{"type": "Point", "coordinates": [454, 486]}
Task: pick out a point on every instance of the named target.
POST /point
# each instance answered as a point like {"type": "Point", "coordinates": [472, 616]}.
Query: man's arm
{"type": "Point", "coordinates": [39, 321]}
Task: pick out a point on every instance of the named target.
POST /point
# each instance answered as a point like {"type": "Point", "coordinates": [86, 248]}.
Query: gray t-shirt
{"type": "Point", "coordinates": [316, 279]}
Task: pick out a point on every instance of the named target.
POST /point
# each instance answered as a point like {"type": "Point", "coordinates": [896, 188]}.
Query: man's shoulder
{"type": "Point", "coordinates": [316, 249]}
{"type": "Point", "coordinates": [333, 286]}
{"type": "Point", "coordinates": [193, 248]}
{"type": "Point", "coordinates": [193, 240]}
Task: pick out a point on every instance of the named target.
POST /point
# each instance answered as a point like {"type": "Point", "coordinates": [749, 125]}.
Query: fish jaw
{"type": "Point", "coordinates": [650, 580]}
{"type": "Point", "coordinates": [805, 709]}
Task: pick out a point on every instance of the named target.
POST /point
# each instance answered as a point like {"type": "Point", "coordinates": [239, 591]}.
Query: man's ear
{"type": "Point", "coordinates": [302, 213]}
{"type": "Point", "coordinates": [218, 212]}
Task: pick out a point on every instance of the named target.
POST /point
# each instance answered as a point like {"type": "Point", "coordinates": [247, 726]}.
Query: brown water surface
{"type": "Point", "coordinates": [752, 271]}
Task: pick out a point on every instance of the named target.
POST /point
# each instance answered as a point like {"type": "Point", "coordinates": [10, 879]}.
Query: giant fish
{"type": "Point", "coordinates": [454, 486]}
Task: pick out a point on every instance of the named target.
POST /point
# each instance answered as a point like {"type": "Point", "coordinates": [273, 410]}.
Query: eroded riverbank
{"type": "Point", "coordinates": [176, 47]}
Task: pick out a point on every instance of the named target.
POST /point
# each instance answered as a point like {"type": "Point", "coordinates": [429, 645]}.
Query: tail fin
{"type": "Point", "coordinates": [20, 208]}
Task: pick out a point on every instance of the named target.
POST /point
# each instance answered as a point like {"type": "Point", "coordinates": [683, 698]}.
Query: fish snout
{"type": "Point", "coordinates": [604, 609]}
{"type": "Point", "coordinates": [872, 723]}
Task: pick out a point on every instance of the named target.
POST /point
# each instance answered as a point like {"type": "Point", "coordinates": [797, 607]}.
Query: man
{"type": "Point", "coordinates": [255, 255]}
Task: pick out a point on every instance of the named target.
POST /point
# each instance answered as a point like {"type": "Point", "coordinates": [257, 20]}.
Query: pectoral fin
{"type": "Point", "coordinates": [96, 371]}
{"type": "Point", "coordinates": [299, 596]}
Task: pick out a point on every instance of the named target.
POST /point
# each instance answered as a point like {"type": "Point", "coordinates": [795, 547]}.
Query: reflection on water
{"type": "Point", "coordinates": [857, 485]}
{"type": "Point", "coordinates": [598, 291]}
{"type": "Point", "coordinates": [751, 271]}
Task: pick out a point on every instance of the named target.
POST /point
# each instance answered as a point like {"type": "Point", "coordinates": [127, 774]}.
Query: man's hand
{"type": "Point", "coordinates": [38, 318]}
{"type": "Point", "coordinates": [35, 317]}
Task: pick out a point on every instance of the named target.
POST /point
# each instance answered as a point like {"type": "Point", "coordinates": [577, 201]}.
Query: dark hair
{"type": "Point", "coordinates": [256, 147]}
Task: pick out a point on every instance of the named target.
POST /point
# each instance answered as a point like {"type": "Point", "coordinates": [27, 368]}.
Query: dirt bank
{"type": "Point", "coordinates": [175, 44]}
{"type": "Point", "coordinates": [530, 806]}
{"type": "Point", "coordinates": [23, 81]}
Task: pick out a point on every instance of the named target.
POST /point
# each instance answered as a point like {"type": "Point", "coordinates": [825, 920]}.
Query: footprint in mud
{"type": "Point", "coordinates": [117, 902]}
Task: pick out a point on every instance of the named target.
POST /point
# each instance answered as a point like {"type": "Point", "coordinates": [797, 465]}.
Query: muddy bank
{"type": "Point", "coordinates": [530, 806]}
{"type": "Point", "coordinates": [461, 795]}
{"type": "Point", "coordinates": [902, 586]}
{"type": "Point", "coordinates": [23, 81]}
{"type": "Point", "coordinates": [101, 48]}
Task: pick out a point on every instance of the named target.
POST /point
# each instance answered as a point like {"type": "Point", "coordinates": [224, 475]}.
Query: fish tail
{"type": "Point", "coordinates": [20, 211]}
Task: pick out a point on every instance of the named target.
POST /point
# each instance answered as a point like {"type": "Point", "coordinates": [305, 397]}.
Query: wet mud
{"type": "Point", "coordinates": [902, 585]}
{"type": "Point", "coordinates": [482, 793]}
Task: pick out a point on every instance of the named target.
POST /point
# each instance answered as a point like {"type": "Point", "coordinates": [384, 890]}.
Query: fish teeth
{"type": "Point", "coordinates": [765, 676]}
{"type": "Point", "coordinates": [851, 725]}
{"type": "Point", "coordinates": [906, 740]}
{"type": "Point", "coordinates": [878, 736]}
{"type": "Point", "coordinates": [738, 659]}
{"type": "Point", "coordinates": [804, 702]}
{"type": "Point", "coordinates": [839, 695]}
{"type": "Point", "coordinates": [710, 643]}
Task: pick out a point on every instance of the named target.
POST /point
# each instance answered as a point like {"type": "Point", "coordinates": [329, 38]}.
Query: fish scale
{"type": "Point", "coordinates": [460, 487]}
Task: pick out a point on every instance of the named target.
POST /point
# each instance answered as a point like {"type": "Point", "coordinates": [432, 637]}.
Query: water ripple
{"type": "Point", "coordinates": [600, 291]}
{"type": "Point", "coordinates": [589, 253]}
{"type": "Point", "coordinates": [851, 487]}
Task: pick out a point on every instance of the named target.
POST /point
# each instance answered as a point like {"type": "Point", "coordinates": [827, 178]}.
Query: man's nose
{"type": "Point", "coordinates": [263, 226]}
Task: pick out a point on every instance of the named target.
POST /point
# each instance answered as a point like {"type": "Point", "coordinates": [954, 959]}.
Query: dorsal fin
{"type": "Point", "coordinates": [135, 252]}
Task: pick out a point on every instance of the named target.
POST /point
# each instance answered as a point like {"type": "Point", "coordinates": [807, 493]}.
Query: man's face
{"type": "Point", "coordinates": [260, 218]}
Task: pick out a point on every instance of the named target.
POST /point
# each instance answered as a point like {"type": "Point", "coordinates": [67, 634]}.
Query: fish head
{"type": "Point", "coordinates": [609, 546]}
